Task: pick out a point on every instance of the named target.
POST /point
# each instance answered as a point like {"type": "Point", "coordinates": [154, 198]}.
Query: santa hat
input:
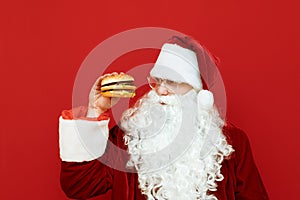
{"type": "Point", "coordinates": [177, 64]}
{"type": "Point", "coordinates": [180, 64]}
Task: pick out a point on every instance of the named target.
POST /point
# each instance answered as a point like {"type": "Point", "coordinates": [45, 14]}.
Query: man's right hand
{"type": "Point", "coordinates": [98, 104]}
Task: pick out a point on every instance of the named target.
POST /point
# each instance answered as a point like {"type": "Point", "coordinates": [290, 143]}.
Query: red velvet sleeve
{"type": "Point", "coordinates": [82, 180]}
{"type": "Point", "coordinates": [249, 185]}
{"type": "Point", "coordinates": [86, 179]}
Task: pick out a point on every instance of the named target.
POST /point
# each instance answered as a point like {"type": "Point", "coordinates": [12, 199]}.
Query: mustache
{"type": "Point", "coordinates": [172, 100]}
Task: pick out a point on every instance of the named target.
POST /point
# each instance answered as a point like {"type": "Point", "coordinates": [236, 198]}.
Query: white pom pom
{"type": "Point", "coordinates": [205, 99]}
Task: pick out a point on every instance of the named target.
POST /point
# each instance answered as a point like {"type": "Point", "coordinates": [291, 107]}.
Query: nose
{"type": "Point", "coordinates": [161, 90]}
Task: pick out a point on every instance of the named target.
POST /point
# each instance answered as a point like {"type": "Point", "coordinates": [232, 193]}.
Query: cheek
{"type": "Point", "coordinates": [160, 90]}
{"type": "Point", "coordinates": [183, 90]}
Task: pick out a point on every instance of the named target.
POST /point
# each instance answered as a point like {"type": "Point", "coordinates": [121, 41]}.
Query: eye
{"type": "Point", "coordinates": [169, 82]}
{"type": "Point", "coordinates": [158, 80]}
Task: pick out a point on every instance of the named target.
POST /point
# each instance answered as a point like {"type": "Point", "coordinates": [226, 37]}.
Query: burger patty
{"type": "Point", "coordinates": [118, 83]}
{"type": "Point", "coordinates": [118, 87]}
{"type": "Point", "coordinates": [125, 90]}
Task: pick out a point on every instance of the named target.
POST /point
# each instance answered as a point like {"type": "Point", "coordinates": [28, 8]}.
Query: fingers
{"type": "Point", "coordinates": [96, 100]}
{"type": "Point", "coordinates": [105, 103]}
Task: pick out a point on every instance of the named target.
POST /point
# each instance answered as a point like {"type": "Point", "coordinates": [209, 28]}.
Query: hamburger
{"type": "Point", "coordinates": [120, 85]}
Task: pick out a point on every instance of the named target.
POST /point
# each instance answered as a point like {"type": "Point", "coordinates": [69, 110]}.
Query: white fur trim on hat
{"type": "Point", "coordinates": [177, 64]}
{"type": "Point", "coordinates": [205, 100]}
{"type": "Point", "coordinates": [82, 140]}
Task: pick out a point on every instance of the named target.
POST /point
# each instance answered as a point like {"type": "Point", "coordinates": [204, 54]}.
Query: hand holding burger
{"type": "Point", "coordinates": [107, 90]}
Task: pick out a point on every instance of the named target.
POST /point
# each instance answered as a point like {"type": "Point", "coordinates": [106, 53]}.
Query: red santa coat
{"type": "Point", "coordinates": [83, 180]}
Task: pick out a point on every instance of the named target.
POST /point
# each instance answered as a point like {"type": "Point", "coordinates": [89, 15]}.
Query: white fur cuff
{"type": "Point", "coordinates": [82, 140]}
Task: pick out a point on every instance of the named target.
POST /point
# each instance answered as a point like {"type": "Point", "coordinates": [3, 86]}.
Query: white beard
{"type": "Point", "coordinates": [176, 149]}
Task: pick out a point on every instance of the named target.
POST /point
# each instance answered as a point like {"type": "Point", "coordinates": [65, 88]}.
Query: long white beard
{"type": "Point", "coordinates": [176, 149]}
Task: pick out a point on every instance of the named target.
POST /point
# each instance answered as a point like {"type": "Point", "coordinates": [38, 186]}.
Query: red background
{"type": "Point", "coordinates": [44, 42]}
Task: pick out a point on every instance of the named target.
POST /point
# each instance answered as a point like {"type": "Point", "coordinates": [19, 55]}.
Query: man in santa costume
{"type": "Point", "coordinates": [177, 146]}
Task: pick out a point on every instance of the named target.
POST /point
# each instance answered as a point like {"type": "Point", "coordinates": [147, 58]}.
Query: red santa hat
{"type": "Point", "coordinates": [177, 64]}
{"type": "Point", "coordinates": [181, 59]}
